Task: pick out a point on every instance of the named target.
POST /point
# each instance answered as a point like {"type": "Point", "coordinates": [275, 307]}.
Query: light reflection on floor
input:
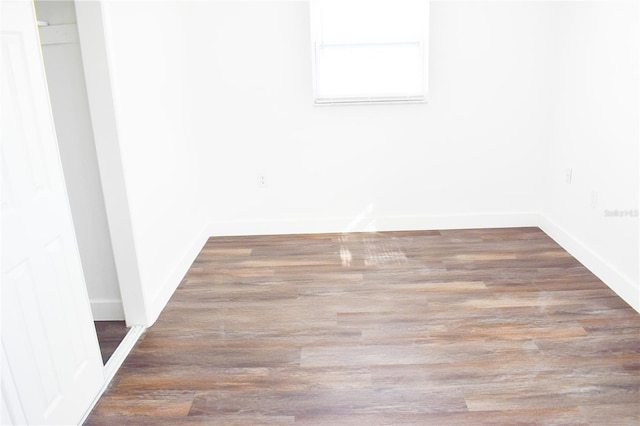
{"type": "Point", "coordinates": [376, 250]}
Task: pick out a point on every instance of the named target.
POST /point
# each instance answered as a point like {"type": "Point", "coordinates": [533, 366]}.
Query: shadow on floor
{"type": "Point", "coordinates": [110, 334]}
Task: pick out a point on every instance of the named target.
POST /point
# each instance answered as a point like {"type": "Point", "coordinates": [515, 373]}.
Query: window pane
{"type": "Point", "coordinates": [372, 21]}
{"type": "Point", "coordinates": [369, 50]}
{"type": "Point", "coordinates": [370, 70]}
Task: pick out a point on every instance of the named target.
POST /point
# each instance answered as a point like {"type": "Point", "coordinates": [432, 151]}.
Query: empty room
{"type": "Point", "coordinates": [320, 212]}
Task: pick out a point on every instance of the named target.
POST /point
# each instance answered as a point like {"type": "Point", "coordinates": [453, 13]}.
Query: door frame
{"type": "Point", "coordinates": [96, 61]}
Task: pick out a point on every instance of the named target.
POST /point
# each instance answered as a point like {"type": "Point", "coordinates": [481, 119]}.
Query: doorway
{"type": "Point", "coordinates": [67, 90]}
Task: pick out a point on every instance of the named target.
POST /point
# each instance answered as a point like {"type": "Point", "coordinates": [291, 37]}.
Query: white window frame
{"type": "Point", "coordinates": [317, 45]}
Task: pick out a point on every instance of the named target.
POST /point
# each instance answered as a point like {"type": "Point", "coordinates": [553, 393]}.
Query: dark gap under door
{"type": "Point", "coordinates": [110, 334]}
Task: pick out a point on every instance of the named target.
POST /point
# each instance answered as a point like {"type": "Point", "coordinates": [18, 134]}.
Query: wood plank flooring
{"type": "Point", "coordinates": [482, 327]}
{"type": "Point", "coordinates": [110, 334]}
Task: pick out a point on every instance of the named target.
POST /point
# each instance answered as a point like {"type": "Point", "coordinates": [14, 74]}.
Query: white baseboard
{"type": "Point", "coordinates": [620, 283]}
{"type": "Point", "coordinates": [175, 278]}
{"type": "Point", "coordinates": [367, 223]}
{"type": "Point", "coordinates": [107, 310]}
{"type": "Point", "coordinates": [121, 352]}
{"type": "Point", "coordinates": [460, 221]}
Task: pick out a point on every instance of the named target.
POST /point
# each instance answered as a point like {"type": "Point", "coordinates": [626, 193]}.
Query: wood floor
{"type": "Point", "coordinates": [110, 334]}
{"type": "Point", "coordinates": [477, 327]}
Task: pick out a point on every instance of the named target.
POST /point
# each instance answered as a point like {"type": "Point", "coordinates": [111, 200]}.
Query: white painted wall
{"type": "Point", "coordinates": [469, 157]}
{"type": "Point", "coordinates": [68, 95]}
{"type": "Point", "coordinates": [209, 95]}
{"type": "Point", "coordinates": [160, 163]}
{"type": "Point", "coordinates": [594, 129]}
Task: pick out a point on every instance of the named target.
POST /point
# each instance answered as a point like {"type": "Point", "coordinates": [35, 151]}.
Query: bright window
{"type": "Point", "coordinates": [369, 51]}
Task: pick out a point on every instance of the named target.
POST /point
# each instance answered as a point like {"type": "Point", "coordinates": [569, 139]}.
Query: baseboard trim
{"type": "Point", "coordinates": [115, 362]}
{"type": "Point", "coordinates": [122, 351]}
{"type": "Point", "coordinates": [365, 222]}
{"type": "Point", "coordinates": [107, 310]}
{"type": "Point", "coordinates": [461, 221]}
{"type": "Point", "coordinates": [620, 283]}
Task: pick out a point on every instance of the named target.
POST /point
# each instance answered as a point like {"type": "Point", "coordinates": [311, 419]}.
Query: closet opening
{"type": "Point", "coordinates": [62, 56]}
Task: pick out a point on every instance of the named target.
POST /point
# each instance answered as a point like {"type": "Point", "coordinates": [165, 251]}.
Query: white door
{"type": "Point", "coordinates": [51, 366]}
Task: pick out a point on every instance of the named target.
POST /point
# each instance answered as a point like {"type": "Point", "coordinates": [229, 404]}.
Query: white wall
{"type": "Point", "coordinates": [65, 77]}
{"type": "Point", "coordinates": [469, 157]}
{"type": "Point", "coordinates": [594, 129]}
{"type": "Point", "coordinates": [160, 164]}
{"type": "Point", "coordinates": [519, 91]}
{"type": "Point", "coordinates": [211, 94]}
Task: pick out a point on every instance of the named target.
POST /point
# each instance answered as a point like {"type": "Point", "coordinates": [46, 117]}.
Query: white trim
{"type": "Point", "coordinates": [458, 221]}
{"type": "Point", "coordinates": [619, 282]}
{"type": "Point", "coordinates": [162, 297]}
{"type": "Point", "coordinates": [122, 351]}
{"type": "Point", "coordinates": [370, 101]}
{"type": "Point", "coordinates": [115, 362]}
{"type": "Point", "coordinates": [58, 34]}
{"type": "Point", "coordinates": [107, 310]}
{"type": "Point", "coordinates": [96, 60]}
{"type": "Point", "coordinates": [364, 222]}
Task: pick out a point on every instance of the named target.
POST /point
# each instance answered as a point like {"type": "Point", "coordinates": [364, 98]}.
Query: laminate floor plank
{"type": "Point", "coordinates": [110, 335]}
{"type": "Point", "coordinates": [482, 326]}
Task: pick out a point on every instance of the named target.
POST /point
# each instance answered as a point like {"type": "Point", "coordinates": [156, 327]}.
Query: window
{"type": "Point", "coordinates": [369, 51]}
